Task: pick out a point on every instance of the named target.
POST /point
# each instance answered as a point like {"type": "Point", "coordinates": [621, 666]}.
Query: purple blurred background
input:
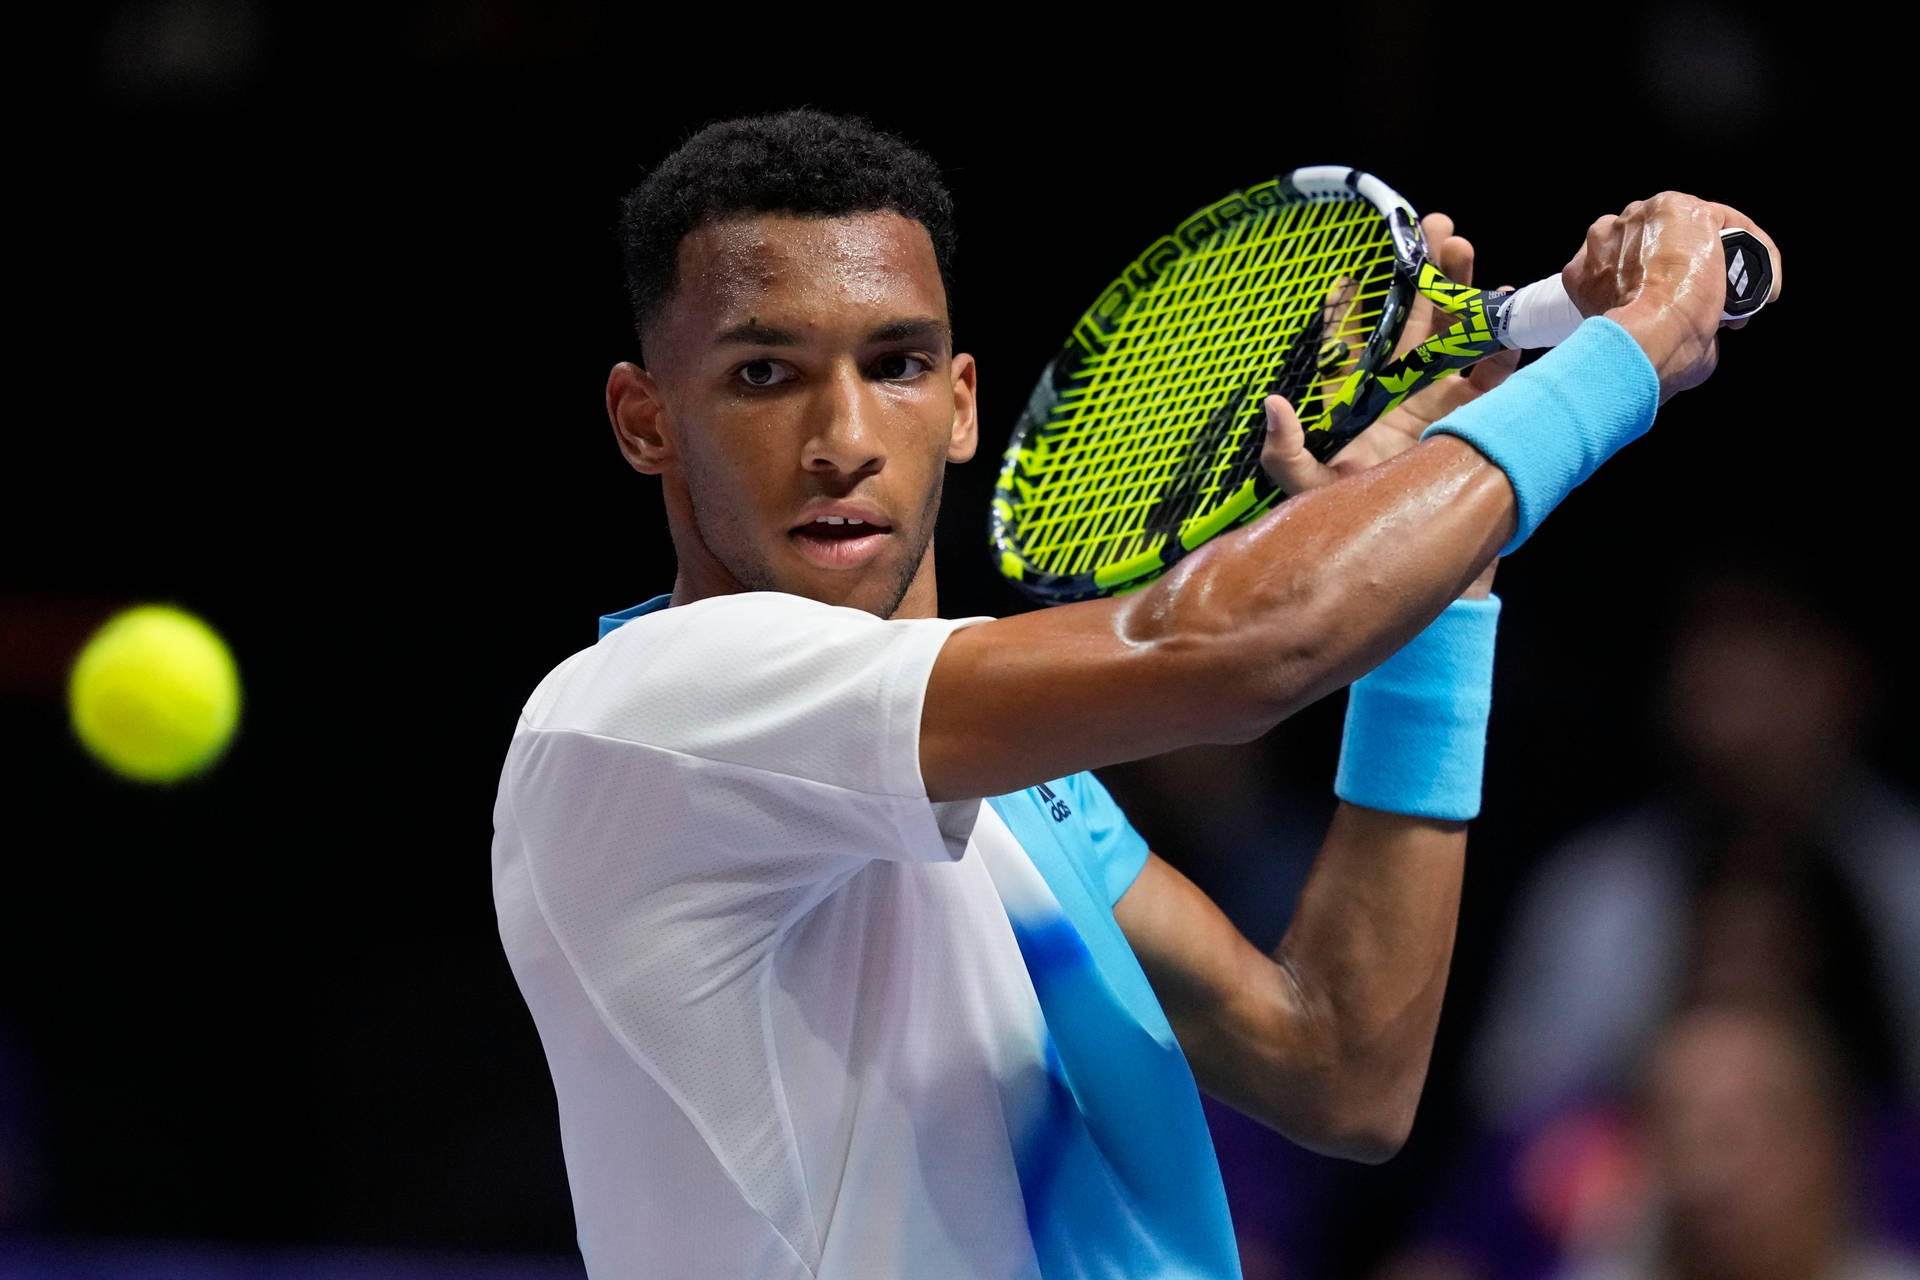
{"type": "Point", "coordinates": [313, 313]}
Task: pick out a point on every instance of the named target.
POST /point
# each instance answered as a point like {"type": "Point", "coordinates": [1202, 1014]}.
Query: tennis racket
{"type": "Point", "coordinates": [1142, 438]}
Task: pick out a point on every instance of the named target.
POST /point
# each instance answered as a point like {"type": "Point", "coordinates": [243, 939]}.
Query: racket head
{"type": "Point", "coordinates": [1141, 439]}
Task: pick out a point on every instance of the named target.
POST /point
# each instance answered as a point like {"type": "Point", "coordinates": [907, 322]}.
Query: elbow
{"type": "Point", "coordinates": [1350, 1118]}
{"type": "Point", "coordinates": [1352, 1086]}
{"type": "Point", "coordinates": [1373, 1138]}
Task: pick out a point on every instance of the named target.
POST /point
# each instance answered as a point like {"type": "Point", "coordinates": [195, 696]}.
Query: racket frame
{"type": "Point", "coordinates": [1376, 385]}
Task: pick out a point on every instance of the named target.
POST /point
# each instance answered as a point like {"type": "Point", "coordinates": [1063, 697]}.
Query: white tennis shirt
{"type": "Point", "coordinates": [801, 1020]}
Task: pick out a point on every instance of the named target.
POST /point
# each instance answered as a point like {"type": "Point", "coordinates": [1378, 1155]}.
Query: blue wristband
{"type": "Point", "coordinates": [1416, 735]}
{"type": "Point", "coordinates": [1552, 424]}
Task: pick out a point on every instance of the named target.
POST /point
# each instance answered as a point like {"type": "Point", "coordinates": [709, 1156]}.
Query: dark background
{"type": "Point", "coordinates": [312, 315]}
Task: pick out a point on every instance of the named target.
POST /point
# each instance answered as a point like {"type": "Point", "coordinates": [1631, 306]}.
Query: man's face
{"type": "Point", "coordinates": [801, 401]}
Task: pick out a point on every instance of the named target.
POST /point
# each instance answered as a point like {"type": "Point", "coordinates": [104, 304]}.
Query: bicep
{"type": "Point", "coordinates": [1051, 693]}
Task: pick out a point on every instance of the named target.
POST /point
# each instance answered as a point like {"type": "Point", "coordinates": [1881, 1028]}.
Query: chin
{"type": "Point", "coordinates": [877, 586]}
{"type": "Point", "coordinates": [874, 593]}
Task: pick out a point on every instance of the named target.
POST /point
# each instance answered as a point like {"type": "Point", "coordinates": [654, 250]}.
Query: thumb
{"type": "Point", "coordinates": [1284, 457]}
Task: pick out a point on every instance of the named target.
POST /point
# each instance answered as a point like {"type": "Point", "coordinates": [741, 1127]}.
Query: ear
{"type": "Point", "coordinates": [639, 417]}
{"type": "Point", "coordinates": [966, 409]}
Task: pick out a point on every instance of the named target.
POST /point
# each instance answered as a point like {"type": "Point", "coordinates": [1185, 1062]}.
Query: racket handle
{"type": "Point", "coordinates": [1542, 315]}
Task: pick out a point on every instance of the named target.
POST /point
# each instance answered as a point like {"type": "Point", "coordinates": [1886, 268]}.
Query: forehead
{"type": "Point", "coordinates": [797, 271]}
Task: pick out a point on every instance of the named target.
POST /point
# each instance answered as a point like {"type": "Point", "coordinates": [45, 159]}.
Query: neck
{"type": "Point", "coordinates": [923, 595]}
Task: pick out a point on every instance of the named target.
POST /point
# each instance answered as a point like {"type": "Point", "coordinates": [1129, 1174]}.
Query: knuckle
{"type": "Point", "coordinates": [1678, 204]}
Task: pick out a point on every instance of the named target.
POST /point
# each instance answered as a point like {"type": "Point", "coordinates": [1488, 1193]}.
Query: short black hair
{"type": "Point", "coordinates": [801, 162]}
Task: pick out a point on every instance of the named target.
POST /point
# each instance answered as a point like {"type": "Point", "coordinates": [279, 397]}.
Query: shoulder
{"type": "Point", "coordinates": [724, 641]}
{"type": "Point", "coordinates": [763, 680]}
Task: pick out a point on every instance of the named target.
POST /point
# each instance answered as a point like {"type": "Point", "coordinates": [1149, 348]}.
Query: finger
{"type": "Point", "coordinates": [1284, 456]}
{"type": "Point", "coordinates": [1604, 231]}
{"type": "Point", "coordinates": [1456, 259]}
{"type": "Point", "coordinates": [1494, 370]}
{"type": "Point", "coordinates": [1576, 265]}
{"type": "Point", "coordinates": [1435, 228]}
{"type": "Point", "coordinates": [1711, 361]}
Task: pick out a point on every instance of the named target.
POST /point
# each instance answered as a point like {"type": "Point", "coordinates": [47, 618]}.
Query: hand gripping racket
{"type": "Point", "coordinates": [1142, 439]}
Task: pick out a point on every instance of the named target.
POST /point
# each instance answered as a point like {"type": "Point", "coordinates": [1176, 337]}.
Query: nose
{"type": "Point", "coordinates": [843, 429]}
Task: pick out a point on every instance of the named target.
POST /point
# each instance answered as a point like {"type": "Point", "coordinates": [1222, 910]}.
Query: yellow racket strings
{"type": "Point", "coordinates": [1157, 423]}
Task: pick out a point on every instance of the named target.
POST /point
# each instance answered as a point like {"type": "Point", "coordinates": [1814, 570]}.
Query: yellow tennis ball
{"type": "Point", "coordinates": [155, 695]}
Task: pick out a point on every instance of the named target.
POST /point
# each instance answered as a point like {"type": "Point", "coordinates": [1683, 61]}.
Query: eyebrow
{"type": "Point", "coordinates": [924, 328]}
{"type": "Point", "coordinates": [753, 333]}
{"type": "Point", "coordinates": [756, 334]}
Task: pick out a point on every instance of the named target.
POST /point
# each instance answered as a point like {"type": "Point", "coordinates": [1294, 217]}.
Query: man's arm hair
{"type": "Point", "coordinates": [1238, 636]}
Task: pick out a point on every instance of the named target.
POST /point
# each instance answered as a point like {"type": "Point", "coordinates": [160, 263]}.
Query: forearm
{"type": "Point", "coordinates": [1303, 602]}
{"type": "Point", "coordinates": [1257, 624]}
{"type": "Point", "coordinates": [1244, 631]}
{"type": "Point", "coordinates": [1327, 1039]}
{"type": "Point", "coordinates": [1359, 977]}
{"type": "Point", "coordinates": [1363, 968]}
{"type": "Point", "coordinates": [1366, 962]}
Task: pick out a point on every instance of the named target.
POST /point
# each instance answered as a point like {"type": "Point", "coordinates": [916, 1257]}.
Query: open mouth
{"type": "Point", "coordinates": [841, 527]}
{"type": "Point", "coordinates": [840, 542]}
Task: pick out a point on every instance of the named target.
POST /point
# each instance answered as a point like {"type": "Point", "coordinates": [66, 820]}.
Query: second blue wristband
{"type": "Point", "coordinates": [1416, 732]}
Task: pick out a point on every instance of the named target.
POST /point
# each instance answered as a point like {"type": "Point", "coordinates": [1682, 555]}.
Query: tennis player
{"type": "Point", "coordinates": [844, 965]}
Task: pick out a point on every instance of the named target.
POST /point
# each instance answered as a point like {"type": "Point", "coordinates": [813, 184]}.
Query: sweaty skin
{"type": "Point", "coordinates": [803, 367]}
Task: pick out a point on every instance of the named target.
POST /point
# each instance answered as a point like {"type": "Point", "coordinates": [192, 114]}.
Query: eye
{"type": "Point", "coordinates": [899, 366]}
{"type": "Point", "coordinates": [763, 373]}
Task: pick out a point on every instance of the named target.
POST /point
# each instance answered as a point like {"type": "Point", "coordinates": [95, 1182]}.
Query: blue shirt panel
{"type": "Point", "coordinates": [1120, 1178]}
{"type": "Point", "coordinates": [612, 622]}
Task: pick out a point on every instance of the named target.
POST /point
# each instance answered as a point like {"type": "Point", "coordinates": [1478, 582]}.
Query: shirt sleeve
{"type": "Point", "coordinates": [1115, 852]}
{"type": "Point", "coordinates": [764, 716]}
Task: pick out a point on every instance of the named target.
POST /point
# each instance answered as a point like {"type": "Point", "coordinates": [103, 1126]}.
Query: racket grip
{"type": "Point", "coordinates": [1540, 315]}
{"type": "Point", "coordinates": [1543, 315]}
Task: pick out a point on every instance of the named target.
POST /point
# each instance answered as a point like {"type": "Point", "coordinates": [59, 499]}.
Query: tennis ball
{"type": "Point", "coordinates": [155, 694]}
